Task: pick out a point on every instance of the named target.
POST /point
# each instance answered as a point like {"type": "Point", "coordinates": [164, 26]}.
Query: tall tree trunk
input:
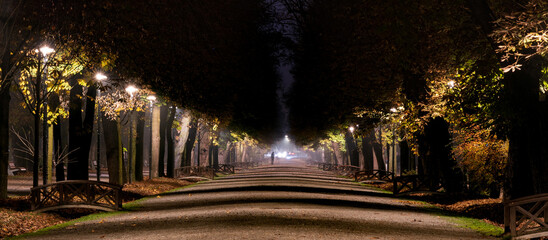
{"type": "Point", "coordinates": [4, 141]}
{"type": "Point", "coordinates": [338, 159]}
{"type": "Point", "coordinates": [244, 152]}
{"type": "Point", "coordinates": [215, 155]}
{"type": "Point", "coordinates": [367, 149]}
{"type": "Point", "coordinates": [527, 162]}
{"type": "Point", "coordinates": [439, 165]}
{"type": "Point", "coordinates": [189, 145]}
{"type": "Point", "coordinates": [51, 152]}
{"type": "Point", "coordinates": [58, 147]}
{"type": "Point", "coordinates": [210, 154]}
{"type": "Point", "coordinates": [226, 153]}
{"type": "Point", "coordinates": [328, 154]}
{"type": "Point", "coordinates": [80, 132]}
{"type": "Point", "coordinates": [204, 146]}
{"type": "Point", "coordinates": [352, 149]}
{"type": "Point", "coordinates": [112, 148]}
{"type": "Point", "coordinates": [183, 135]}
{"type": "Point", "coordinates": [163, 126]}
{"type": "Point", "coordinates": [155, 145]}
{"type": "Point", "coordinates": [377, 148]}
{"type": "Point", "coordinates": [140, 143]}
{"type": "Point", "coordinates": [170, 143]}
{"type": "Point", "coordinates": [132, 145]}
{"type": "Point", "coordinates": [405, 158]}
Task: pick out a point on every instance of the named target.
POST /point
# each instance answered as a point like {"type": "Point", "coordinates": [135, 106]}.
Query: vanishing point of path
{"type": "Point", "coordinates": [284, 201]}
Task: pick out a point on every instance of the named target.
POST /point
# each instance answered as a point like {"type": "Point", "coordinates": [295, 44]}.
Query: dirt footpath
{"type": "Point", "coordinates": [273, 202]}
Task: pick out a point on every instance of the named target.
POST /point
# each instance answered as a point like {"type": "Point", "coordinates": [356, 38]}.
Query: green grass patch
{"type": "Point", "coordinates": [220, 176]}
{"type": "Point", "coordinates": [477, 225]}
{"type": "Point", "coordinates": [133, 205]}
{"type": "Point", "coordinates": [90, 217]}
{"type": "Point", "coordinates": [374, 188]}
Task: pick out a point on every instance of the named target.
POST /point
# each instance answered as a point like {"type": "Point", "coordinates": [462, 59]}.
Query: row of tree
{"type": "Point", "coordinates": [217, 59]}
{"type": "Point", "coordinates": [463, 81]}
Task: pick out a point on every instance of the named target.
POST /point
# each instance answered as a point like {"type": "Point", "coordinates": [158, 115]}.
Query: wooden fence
{"type": "Point", "coordinates": [527, 217]}
{"type": "Point", "coordinates": [414, 183]}
{"type": "Point", "coordinates": [224, 168]}
{"type": "Point", "coordinates": [77, 194]}
{"type": "Point", "coordinates": [346, 170]}
{"type": "Point", "coordinates": [373, 174]}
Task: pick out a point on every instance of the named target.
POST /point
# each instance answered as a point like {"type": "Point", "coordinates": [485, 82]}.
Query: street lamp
{"type": "Point", "coordinates": [351, 129]}
{"type": "Point", "coordinates": [451, 84]}
{"type": "Point", "coordinates": [151, 99]}
{"type": "Point", "coordinates": [99, 77]}
{"type": "Point", "coordinates": [45, 51]}
{"type": "Point", "coordinates": [132, 89]}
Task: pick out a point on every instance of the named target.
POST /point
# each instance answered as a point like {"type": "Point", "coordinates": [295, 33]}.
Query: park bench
{"type": "Point", "coordinates": [527, 217]}
{"type": "Point", "coordinates": [13, 170]}
{"type": "Point", "coordinates": [199, 171]}
{"type": "Point", "coordinates": [414, 183]}
{"type": "Point", "coordinates": [373, 174]}
{"type": "Point", "coordinates": [77, 194]}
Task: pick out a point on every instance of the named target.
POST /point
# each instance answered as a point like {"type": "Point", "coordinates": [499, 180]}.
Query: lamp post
{"type": "Point", "coordinates": [151, 99]}
{"type": "Point", "coordinates": [394, 111]}
{"type": "Point", "coordinates": [45, 50]}
{"type": "Point", "coordinates": [131, 89]}
{"type": "Point", "coordinates": [98, 77]}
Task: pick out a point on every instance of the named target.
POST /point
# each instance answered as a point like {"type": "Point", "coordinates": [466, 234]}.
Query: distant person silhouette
{"type": "Point", "coordinates": [272, 158]}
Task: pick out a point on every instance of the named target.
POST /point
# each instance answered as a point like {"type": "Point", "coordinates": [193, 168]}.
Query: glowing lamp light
{"type": "Point", "coordinates": [151, 98]}
{"type": "Point", "coordinates": [131, 89]}
{"type": "Point", "coordinates": [100, 77]}
{"type": "Point", "coordinates": [351, 129]}
{"type": "Point", "coordinates": [451, 84]}
{"type": "Point", "coordinates": [45, 50]}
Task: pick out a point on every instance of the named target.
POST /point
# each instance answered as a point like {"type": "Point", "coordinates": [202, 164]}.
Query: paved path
{"type": "Point", "coordinates": [272, 202]}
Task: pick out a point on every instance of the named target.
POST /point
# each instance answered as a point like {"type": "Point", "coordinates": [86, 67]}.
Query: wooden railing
{"type": "Point", "coordinates": [77, 194]}
{"type": "Point", "coordinates": [224, 168]}
{"type": "Point", "coordinates": [414, 183]}
{"type": "Point", "coordinates": [327, 166]}
{"type": "Point", "coordinates": [347, 170]}
{"type": "Point", "coordinates": [199, 171]}
{"type": "Point", "coordinates": [373, 174]}
{"type": "Point", "coordinates": [527, 217]}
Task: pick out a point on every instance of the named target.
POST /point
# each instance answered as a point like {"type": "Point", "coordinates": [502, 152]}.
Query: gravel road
{"type": "Point", "coordinates": [272, 202]}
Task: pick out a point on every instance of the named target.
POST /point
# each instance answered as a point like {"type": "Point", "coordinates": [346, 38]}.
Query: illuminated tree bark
{"type": "Point", "coordinates": [189, 145]}
{"type": "Point", "coordinates": [113, 146]}
{"type": "Point", "coordinates": [4, 142]}
{"type": "Point", "coordinates": [140, 146]}
{"type": "Point", "coordinates": [155, 150]}
{"type": "Point", "coordinates": [164, 111]}
{"type": "Point", "coordinates": [170, 161]}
